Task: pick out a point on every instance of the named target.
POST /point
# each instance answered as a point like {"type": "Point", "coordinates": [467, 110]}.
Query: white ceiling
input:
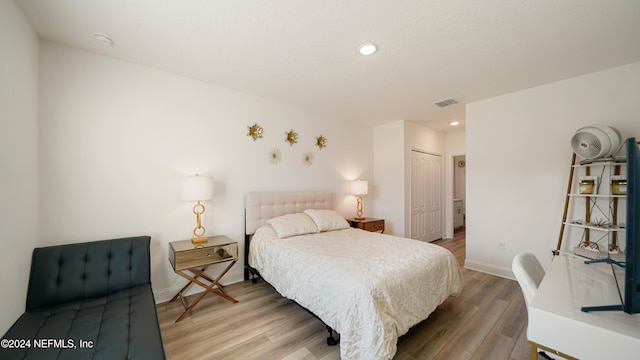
{"type": "Point", "coordinates": [304, 52]}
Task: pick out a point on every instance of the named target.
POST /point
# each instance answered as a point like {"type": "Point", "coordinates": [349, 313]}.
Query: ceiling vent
{"type": "Point", "coordinates": [446, 102]}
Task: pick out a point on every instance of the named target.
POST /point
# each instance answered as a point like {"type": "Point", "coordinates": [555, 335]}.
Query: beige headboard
{"type": "Point", "coordinates": [262, 206]}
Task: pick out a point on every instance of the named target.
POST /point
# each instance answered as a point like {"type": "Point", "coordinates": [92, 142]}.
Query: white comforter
{"type": "Point", "coordinates": [370, 288]}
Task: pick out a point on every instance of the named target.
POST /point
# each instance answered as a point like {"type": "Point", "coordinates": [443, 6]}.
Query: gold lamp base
{"type": "Point", "coordinates": [359, 209]}
{"type": "Point", "coordinates": [199, 230]}
{"type": "Point", "coordinates": [199, 240]}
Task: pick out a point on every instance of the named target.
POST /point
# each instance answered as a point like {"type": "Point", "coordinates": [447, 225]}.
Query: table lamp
{"type": "Point", "coordinates": [359, 188]}
{"type": "Point", "coordinates": [197, 188]}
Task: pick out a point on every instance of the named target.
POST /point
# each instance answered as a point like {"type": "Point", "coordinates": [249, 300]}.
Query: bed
{"type": "Point", "coordinates": [368, 287]}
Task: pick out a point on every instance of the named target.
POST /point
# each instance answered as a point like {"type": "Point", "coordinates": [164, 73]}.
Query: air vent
{"type": "Point", "coordinates": [446, 102]}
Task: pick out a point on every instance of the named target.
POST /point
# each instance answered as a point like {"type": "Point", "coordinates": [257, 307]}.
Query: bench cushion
{"type": "Point", "coordinates": [121, 325]}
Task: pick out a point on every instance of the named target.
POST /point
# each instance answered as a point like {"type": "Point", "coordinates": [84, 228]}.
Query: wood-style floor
{"type": "Point", "coordinates": [487, 321]}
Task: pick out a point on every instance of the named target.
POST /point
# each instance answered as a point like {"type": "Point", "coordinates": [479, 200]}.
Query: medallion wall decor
{"type": "Point", "coordinates": [307, 159]}
{"type": "Point", "coordinates": [275, 156]}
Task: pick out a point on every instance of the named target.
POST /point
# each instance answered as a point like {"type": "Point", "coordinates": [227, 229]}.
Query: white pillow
{"type": "Point", "coordinates": [292, 224]}
{"type": "Point", "coordinates": [327, 220]}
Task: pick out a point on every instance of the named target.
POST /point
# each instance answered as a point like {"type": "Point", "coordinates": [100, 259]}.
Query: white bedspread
{"type": "Point", "coordinates": [371, 288]}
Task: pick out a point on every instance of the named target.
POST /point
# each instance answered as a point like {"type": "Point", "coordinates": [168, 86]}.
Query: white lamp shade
{"type": "Point", "coordinates": [359, 187]}
{"type": "Point", "coordinates": [196, 188]}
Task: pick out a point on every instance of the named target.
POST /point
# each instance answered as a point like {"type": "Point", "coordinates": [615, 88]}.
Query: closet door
{"type": "Point", "coordinates": [426, 196]}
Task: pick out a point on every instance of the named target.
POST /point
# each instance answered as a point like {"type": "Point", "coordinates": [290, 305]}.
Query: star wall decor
{"type": "Point", "coordinates": [255, 131]}
{"type": "Point", "coordinates": [292, 137]}
{"type": "Point", "coordinates": [321, 142]}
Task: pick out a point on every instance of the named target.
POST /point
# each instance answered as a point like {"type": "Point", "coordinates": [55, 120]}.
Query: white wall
{"type": "Point", "coordinates": [455, 145]}
{"type": "Point", "coordinates": [392, 170]}
{"type": "Point", "coordinates": [18, 158]}
{"type": "Point", "coordinates": [116, 138]}
{"type": "Point", "coordinates": [518, 157]}
{"type": "Point", "coordinates": [388, 178]}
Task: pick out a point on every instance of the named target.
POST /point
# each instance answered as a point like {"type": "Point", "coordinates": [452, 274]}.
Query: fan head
{"type": "Point", "coordinates": [596, 141]}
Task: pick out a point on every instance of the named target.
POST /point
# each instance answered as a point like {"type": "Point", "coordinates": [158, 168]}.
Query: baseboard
{"type": "Point", "coordinates": [491, 269]}
{"type": "Point", "coordinates": [164, 295]}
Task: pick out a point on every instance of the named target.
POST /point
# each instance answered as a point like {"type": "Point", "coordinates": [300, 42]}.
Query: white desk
{"type": "Point", "coordinates": [556, 321]}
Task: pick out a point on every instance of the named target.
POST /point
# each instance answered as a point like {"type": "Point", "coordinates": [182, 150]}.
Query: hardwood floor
{"type": "Point", "coordinates": [487, 321]}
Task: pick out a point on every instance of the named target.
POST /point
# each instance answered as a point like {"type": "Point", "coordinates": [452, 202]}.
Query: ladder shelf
{"type": "Point", "coordinates": [597, 194]}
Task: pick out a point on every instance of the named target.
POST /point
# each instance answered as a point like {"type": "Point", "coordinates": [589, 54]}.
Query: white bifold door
{"type": "Point", "coordinates": [426, 196]}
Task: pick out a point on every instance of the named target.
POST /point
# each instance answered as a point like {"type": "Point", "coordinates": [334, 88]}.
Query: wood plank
{"type": "Point", "coordinates": [521, 350]}
{"type": "Point", "coordinates": [466, 341]}
{"type": "Point", "coordinates": [504, 333]}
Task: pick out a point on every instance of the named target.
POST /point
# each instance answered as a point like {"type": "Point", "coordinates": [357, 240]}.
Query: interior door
{"type": "Point", "coordinates": [426, 196]}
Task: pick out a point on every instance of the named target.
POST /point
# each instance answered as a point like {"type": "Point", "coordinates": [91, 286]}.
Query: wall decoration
{"type": "Point", "coordinates": [321, 142]}
{"type": "Point", "coordinates": [275, 156]}
{"type": "Point", "coordinates": [307, 159]}
{"type": "Point", "coordinates": [292, 137]}
{"type": "Point", "coordinates": [255, 131]}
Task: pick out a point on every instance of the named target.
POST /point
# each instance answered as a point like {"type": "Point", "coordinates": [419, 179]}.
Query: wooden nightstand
{"type": "Point", "coordinates": [369, 224]}
{"type": "Point", "coordinates": [191, 260]}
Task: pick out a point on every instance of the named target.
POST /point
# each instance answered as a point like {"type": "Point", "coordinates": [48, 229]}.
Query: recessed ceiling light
{"type": "Point", "coordinates": [454, 123]}
{"type": "Point", "coordinates": [368, 49]}
{"type": "Point", "coordinates": [103, 39]}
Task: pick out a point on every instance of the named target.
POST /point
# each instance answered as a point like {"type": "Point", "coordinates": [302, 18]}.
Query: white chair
{"type": "Point", "coordinates": [529, 274]}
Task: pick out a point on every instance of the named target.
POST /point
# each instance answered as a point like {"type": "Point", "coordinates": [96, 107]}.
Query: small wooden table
{"type": "Point", "coordinates": [192, 260]}
{"type": "Point", "coordinates": [369, 224]}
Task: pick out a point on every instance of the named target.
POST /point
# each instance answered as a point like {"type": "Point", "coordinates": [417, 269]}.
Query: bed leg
{"type": "Point", "coordinates": [251, 273]}
{"type": "Point", "coordinates": [331, 341]}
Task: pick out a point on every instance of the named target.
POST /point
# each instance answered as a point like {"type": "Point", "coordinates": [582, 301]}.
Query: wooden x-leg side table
{"type": "Point", "coordinates": [192, 260]}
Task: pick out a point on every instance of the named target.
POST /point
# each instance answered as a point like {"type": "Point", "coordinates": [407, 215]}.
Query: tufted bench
{"type": "Point", "coordinates": [88, 301]}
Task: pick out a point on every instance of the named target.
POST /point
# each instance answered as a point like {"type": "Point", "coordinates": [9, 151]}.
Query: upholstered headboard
{"type": "Point", "coordinates": [262, 206]}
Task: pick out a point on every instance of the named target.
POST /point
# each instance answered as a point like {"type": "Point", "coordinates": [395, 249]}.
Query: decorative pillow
{"type": "Point", "coordinates": [327, 220]}
{"type": "Point", "coordinates": [292, 224]}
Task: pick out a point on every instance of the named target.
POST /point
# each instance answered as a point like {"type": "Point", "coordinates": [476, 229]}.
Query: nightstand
{"type": "Point", "coordinates": [369, 224]}
{"type": "Point", "coordinates": [190, 261]}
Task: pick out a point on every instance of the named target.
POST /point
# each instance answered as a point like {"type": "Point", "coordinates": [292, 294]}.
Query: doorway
{"type": "Point", "coordinates": [426, 196]}
{"type": "Point", "coordinates": [459, 193]}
